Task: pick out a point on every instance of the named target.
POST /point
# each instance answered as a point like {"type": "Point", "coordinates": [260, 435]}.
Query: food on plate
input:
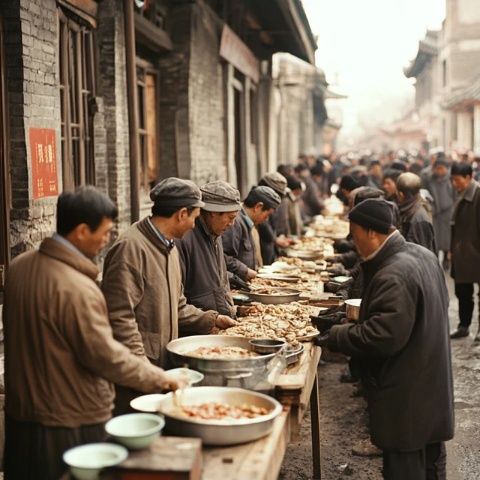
{"type": "Point", "coordinates": [289, 322]}
{"type": "Point", "coordinates": [222, 411]}
{"type": "Point", "coordinates": [222, 353]}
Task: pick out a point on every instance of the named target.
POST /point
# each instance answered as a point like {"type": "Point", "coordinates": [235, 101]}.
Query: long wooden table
{"type": "Point", "coordinates": [296, 388]}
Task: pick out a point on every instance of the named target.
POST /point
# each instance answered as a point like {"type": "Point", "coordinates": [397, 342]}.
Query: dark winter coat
{"type": "Point", "coordinates": [466, 236]}
{"type": "Point", "coordinates": [443, 199]}
{"type": "Point", "coordinates": [204, 271]}
{"type": "Point", "coordinates": [416, 225]}
{"type": "Point", "coordinates": [239, 247]}
{"type": "Point", "coordinates": [402, 345]}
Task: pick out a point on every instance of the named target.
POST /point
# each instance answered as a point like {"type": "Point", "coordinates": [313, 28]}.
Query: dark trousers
{"type": "Point", "coordinates": [34, 452]}
{"type": "Point", "coordinates": [464, 293]}
{"type": "Point", "coordinates": [427, 464]}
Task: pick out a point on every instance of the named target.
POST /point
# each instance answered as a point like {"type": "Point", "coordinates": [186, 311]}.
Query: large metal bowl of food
{"type": "Point", "coordinates": [274, 297]}
{"type": "Point", "coordinates": [224, 360]}
{"type": "Point", "coordinates": [303, 254]}
{"type": "Point", "coordinates": [219, 415]}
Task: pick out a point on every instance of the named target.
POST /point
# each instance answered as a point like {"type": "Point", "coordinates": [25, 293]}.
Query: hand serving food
{"type": "Point", "coordinates": [223, 321]}
{"type": "Point", "coordinates": [174, 383]}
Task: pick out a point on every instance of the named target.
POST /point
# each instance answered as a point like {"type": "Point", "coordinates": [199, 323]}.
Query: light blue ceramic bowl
{"type": "Point", "coordinates": [135, 430]}
{"type": "Point", "coordinates": [86, 461]}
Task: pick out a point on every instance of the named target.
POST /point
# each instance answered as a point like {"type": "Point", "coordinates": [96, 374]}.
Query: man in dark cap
{"type": "Point", "coordinates": [242, 250]}
{"type": "Point", "coordinates": [272, 232]}
{"type": "Point", "coordinates": [401, 345]}
{"type": "Point", "coordinates": [205, 276]}
{"type": "Point", "coordinates": [142, 279]}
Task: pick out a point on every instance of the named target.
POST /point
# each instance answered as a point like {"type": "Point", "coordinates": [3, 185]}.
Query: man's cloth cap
{"type": "Point", "coordinates": [220, 196]}
{"type": "Point", "coordinates": [177, 192]}
{"type": "Point", "coordinates": [373, 214]}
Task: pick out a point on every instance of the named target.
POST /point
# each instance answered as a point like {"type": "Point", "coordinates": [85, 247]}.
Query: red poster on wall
{"type": "Point", "coordinates": [44, 162]}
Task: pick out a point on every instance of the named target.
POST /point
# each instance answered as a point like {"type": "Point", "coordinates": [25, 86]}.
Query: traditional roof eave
{"type": "Point", "coordinates": [427, 49]}
{"type": "Point", "coordinates": [464, 97]}
{"type": "Point", "coordinates": [301, 41]}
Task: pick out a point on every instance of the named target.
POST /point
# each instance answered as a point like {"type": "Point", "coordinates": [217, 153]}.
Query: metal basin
{"type": "Point", "coordinates": [248, 373]}
{"type": "Point", "coordinates": [286, 295]}
{"type": "Point", "coordinates": [220, 432]}
{"type": "Point", "coordinates": [251, 373]}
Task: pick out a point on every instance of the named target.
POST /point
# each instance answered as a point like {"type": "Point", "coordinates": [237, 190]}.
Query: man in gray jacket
{"type": "Point", "coordinates": [401, 346]}
{"type": "Point", "coordinates": [204, 272]}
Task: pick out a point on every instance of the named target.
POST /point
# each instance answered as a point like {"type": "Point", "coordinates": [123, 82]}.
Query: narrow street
{"type": "Point", "coordinates": [344, 421]}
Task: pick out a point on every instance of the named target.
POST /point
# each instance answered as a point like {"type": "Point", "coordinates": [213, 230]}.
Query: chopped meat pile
{"type": "Point", "coordinates": [221, 411]}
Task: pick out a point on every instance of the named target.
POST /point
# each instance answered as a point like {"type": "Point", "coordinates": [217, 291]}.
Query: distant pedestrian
{"type": "Point", "coordinates": [438, 183]}
{"type": "Point", "coordinates": [465, 244]}
{"type": "Point", "coordinates": [389, 184]}
{"type": "Point", "coordinates": [415, 222]}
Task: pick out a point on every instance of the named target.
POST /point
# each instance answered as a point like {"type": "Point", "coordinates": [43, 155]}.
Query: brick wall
{"type": "Point", "coordinates": [174, 144]}
{"type": "Point", "coordinates": [32, 101]}
{"type": "Point", "coordinates": [191, 97]}
{"type": "Point", "coordinates": [113, 89]}
{"type": "Point", "coordinates": [206, 97]}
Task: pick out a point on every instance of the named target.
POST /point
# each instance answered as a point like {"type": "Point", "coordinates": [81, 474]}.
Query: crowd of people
{"type": "Point", "coordinates": [75, 352]}
{"type": "Point", "coordinates": [435, 202]}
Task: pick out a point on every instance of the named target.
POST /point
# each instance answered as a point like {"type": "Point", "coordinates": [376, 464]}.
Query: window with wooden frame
{"type": "Point", "coordinates": [76, 55]}
{"type": "Point", "coordinates": [147, 91]}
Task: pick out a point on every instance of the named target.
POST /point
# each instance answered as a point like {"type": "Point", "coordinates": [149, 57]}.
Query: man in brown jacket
{"type": "Point", "coordinates": [465, 244]}
{"type": "Point", "coordinates": [60, 355]}
{"type": "Point", "coordinates": [142, 280]}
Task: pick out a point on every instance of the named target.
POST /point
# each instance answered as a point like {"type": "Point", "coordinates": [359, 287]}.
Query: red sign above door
{"type": "Point", "coordinates": [44, 162]}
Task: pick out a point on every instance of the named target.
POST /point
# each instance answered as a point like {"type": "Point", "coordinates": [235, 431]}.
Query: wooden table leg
{"type": "Point", "coordinates": [315, 423]}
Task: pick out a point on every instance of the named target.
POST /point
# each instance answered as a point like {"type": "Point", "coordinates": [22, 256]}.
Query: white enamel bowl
{"type": "Point", "coordinates": [86, 461]}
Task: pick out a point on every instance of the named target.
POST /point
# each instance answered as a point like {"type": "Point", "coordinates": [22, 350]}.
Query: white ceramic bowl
{"type": "Point", "coordinates": [86, 461]}
{"type": "Point", "coordinates": [135, 430]}
{"type": "Point", "coordinates": [147, 403]}
{"type": "Point", "coordinates": [193, 376]}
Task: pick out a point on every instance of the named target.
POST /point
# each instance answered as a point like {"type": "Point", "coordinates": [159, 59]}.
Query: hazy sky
{"type": "Point", "coordinates": [365, 44]}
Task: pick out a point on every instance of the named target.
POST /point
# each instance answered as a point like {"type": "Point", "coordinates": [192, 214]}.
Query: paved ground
{"type": "Point", "coordinates": [344, 422]}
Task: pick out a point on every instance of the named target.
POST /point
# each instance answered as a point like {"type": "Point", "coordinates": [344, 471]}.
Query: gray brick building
{"type": "Point", "coordinates": [122, 93]}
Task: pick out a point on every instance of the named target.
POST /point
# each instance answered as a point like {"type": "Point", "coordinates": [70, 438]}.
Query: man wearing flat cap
{"type": "Point", "coordinates": [272, 232]}
{"type": "Point", "coordinates": [204, 271]}
{"type": "Point", "coordinates": [242, 252]}
{"type": "Point", "coordinates": [401, 346]}
{"type": "Point", "coordinates": [142, 279]}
